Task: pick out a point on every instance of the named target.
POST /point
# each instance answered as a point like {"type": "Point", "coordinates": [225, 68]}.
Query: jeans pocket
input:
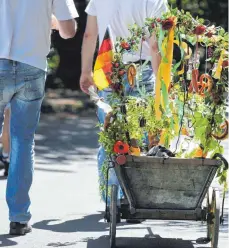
{"type": "Point", "coordinates": [34, 86]}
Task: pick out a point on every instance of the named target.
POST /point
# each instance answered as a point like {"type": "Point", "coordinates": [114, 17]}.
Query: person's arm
{"type": "Point", "coordinates": [63, 19]}
{"type": "Point", "coordinates": [155, 8]}
{"type": "Point", "coordinates": [88, 50]}
{"type": "Point", "coordinates": [155, 53]}
{"type": "Point", "coordinates": [67, 29]}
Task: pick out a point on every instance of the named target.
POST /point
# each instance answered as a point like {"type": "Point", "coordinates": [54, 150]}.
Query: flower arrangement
{"type": "Point", "coordinates": [188, 100]}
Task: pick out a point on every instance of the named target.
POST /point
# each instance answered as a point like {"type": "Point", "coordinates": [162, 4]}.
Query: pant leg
{"type": "Point", "coordinates": [25, 113]}
{"type": "Point", "coordinates": [146, 82]}
{"type": "Point", "coordinates": [6, 87]}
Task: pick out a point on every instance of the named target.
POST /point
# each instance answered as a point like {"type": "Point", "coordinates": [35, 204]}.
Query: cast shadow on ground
{"type": "Point", "coordinates": [150, 240]}
{"type": "Point", "coordinates": [153, 241]}
{"type": "Point", "coordinates": [3, 178]}
{"type": "Point", "coordinates": [5, 241]}
{"type": "Point", "coordinates": [89, 223]}
{"type": "Point", "coordinates": [94, 223]}
{"type": "Point", "coordinates": [63, 140]}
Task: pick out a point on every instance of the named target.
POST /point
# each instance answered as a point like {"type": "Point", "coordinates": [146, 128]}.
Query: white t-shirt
{"type": "Point", "coordinates": [119, 14]}
{"type": "Point", "coordinates": [25, 28]}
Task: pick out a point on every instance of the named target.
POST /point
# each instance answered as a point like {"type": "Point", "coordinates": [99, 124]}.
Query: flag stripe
{"type": "Point", "coordinates": [103, 64]}
{"type": "Point", "coordinates": [105, 47]}
{"type": "Point", "coordinates": [103, 59]}
{"type": "Point", "coordinates": [100, 79]}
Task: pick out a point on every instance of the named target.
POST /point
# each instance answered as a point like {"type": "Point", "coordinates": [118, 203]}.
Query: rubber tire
{"type": "Point", "coordinates": [113, 215]}
{"type": "Point", "coordinates": [216, 211]}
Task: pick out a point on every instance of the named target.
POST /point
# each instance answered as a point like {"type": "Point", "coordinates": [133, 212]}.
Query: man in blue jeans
{"type": "Point", "coordinates": [25, 28]}
{"type": "Point", "coordinates": [118, 15]}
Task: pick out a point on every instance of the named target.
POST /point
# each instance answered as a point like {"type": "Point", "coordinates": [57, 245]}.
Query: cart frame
{"type": "Point", "coordinates": [131, 207]}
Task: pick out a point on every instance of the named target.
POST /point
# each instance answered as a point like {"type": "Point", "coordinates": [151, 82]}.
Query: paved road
{"type": "Point", "coordinates": [65, 203]}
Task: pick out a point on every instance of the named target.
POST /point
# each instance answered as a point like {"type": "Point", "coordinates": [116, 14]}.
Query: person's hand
{"type": "Point", "coordinates": [54, 23]}
{"type": "Point", "coordinates": [86, 80]}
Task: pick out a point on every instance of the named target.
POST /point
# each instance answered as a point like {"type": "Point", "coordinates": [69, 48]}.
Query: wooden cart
{"type": "Point", "coordinates": [166, 189]}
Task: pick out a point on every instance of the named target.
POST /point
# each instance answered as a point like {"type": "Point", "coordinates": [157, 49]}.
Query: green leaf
{"type": "Point", "coordinates": [165, 95]}
{"type": "Point", "coordinates": [165, 60]}
{"type": "Point", "coordinates": [160, 41]}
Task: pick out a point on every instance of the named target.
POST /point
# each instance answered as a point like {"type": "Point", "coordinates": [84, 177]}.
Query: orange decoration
{"type": "Point", "coordinates": [199, 153]}
{"type": "Point", "coordinates": [131, 74]}
{"type": "Point", "coordinates": [121, 147]}
{"type": "Point", "coordinates": [135, 151]}
{"type": "Point", "coordinates": [224, 133]}
{"type": "Point", "coordinates": [184, 131]}
{"type": "Point", "coordinates": [208, 84]}
{"type": "Point", "coordinates": [199, 85]}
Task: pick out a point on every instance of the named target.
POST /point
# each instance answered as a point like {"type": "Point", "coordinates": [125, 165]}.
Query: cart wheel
{"type": "Point", "coordinates": [209, 200]}
{"type": "Point", "coordinates": [213, 219]}
{"type": "Point", "coordinates": [113, 215]}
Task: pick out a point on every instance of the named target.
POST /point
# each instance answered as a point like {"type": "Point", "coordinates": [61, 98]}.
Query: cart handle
{"type": "Point", "coordinates": [220, 156]}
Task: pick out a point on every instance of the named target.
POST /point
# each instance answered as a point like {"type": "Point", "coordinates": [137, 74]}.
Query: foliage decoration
{"type": "Point", "coordinates": [188, 100]}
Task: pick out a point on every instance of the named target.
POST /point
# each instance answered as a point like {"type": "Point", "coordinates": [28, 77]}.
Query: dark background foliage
{"type": "Point", "coordinates": [68, 72]}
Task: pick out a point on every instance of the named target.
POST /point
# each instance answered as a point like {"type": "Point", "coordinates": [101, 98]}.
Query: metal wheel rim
{"type": "Point", "coordinates": [214, 228]}
{"type": "Point", "coordinates": [209, 200]}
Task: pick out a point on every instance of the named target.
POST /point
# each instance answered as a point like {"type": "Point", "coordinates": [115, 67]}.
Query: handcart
{"type": "Point", "coordinates": [166, 189]}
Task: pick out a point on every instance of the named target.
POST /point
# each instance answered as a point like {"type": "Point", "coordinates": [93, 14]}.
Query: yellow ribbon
{"type": "Point", "coordinates": [162, 137]}
{"type": "Point", "coordinates": [164, 71]}
{"type": "Point", "coordinates": [218, 71]}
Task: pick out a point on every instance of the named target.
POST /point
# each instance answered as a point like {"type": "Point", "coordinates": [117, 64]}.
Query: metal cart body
{"type": "Point", "coordinates": [164, 189]}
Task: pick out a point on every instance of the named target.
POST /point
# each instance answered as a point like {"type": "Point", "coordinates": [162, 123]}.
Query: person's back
{"type": "Point", "coordinates": [130, 12]}
{"type": "Point", "coordinates": [119, 15]}
{"type": "Point", "coordinates": [25, 27]}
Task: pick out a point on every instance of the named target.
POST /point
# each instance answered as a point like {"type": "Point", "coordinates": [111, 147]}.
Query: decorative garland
{"type": "Point", "coordinates": [188, 100]}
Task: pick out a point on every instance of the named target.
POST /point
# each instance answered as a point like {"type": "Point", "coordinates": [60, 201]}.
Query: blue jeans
{"type": "Point", "coordinates": [22, 86]}
{"type": "Point", "coordinates": [147, 82]}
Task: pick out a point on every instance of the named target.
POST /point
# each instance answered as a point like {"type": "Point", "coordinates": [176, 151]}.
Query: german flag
{"type": "Point", "coordinates": [103, 64]}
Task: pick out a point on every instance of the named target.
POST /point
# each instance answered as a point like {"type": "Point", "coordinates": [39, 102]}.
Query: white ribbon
{"type": "Point", "coordinates": [98, 100]}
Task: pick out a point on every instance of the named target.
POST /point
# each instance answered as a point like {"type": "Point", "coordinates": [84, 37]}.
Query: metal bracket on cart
{"type": "Point", "coordinates": [218, 155]}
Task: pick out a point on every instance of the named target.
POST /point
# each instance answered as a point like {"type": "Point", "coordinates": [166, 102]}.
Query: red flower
{"type": "Point", "coordinates": [209, 34]}
{"type": "Point", "coordinates": [199, 30]}
{"type": "Point", "coordinates": [125, 45]}
{"type": "Point", "coordinates": [168, 23]}
{"type": "Point", "coordinates": [121, 159]}
{"type": "Point", "coordinates": [121, 147]}
{"type": "Point", "coordinates": [121, 72]}
{"type": "Point", "coordinates": [153, 25]}
{"type": "Point", "coordinates": [158, 19]}
{"type": "Point", "coordinates": [116, 65]}
{"type": "Point", "coordinates": [225, 63]}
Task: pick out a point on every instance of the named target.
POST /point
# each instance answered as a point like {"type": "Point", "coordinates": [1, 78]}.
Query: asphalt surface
{"type": "Point", "coordinates": [66, 207]}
